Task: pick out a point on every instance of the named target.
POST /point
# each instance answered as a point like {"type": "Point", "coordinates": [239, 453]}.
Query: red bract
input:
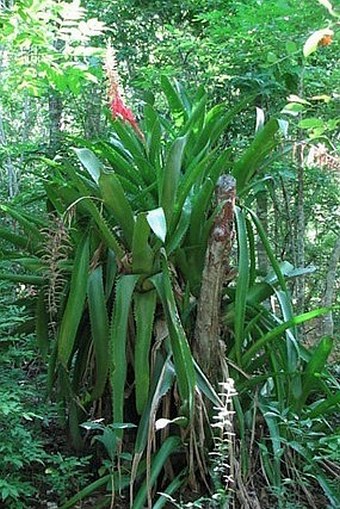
{"type": "Point", "coordinates": [120, 110]}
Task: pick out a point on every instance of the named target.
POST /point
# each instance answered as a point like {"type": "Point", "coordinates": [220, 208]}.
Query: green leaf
{"type": "Point", "coordinates": [108, 236]}
{"type": "Point", "coordinates": [170, 489]}
{"type": "Point", "coordinates": [85, 492]}
{"type": "Point", "coordinates": [328, 6]}
{"type": "Point", "coordinates": [157, 222]}
{"type": "Point", "coordinates": [142, 254]}
{"type": "Point", "coordinates": [170, 445]}
{"type": "Point", "coordinates": [291, 47]}
{"type": "Point", "coordinates": [22, 278]}
{"type": "Point", "coordinates": [311, 123]}
{"type": "Point", "coordinates": [181, 229]}
{"type": "Point", "coordinates": [183, 359]}
{"type": "Point", "coordinates": [90, 162]}
{"type": "Point", "coordinates": [170, 177]}
{"type": "Point", "coordinates": [75, 302]}
{"type": "Point", "coordinates": [293, 109]}
{"type": "Point", "coordinates": [26, 222]}
{"type": "Point", "coordinates": [116, 201]}
{"type": "Point", "coordinates": [124, 290]}
{"type": "Point", "coordinates": [161, 383]}
{"type": "Point", "coordinates": [242, 282]}
{"type": "Point", "coordinates": [314, 368]}
{"type": "Point", "coordinates": [277, 331]}
{"type": "Point", "coordinates": [175, 101]}
{"type": "Point", "coordinates": [123, 165]}
{"type": "Point", "coordinates": [330, 404]}
{"type": "Point", "coordinates": [144, 306]}
{"type": "Point", "coordinates": [18, 241]}
{"type": "Point", "coordinates": [250, 162]}
{"type": "Point", "coordinates": [99, 328]}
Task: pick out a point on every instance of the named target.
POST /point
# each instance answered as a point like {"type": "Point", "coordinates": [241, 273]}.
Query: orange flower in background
{"type": "Point", "coordinates": [115, 93]}
{"type": "Point", "coordinates": [326, 40]}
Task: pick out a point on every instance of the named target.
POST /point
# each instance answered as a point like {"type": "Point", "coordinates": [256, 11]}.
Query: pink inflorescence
{"type": "Point", "coordinates": [115, 93]}
{"type": "Point", "coordinates": [120, 110]}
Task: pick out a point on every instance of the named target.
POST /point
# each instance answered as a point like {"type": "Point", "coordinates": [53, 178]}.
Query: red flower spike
{"type": "Point", "coordinates": [120, 110]}
{"type": "Point", "coordinates": [117, 105]}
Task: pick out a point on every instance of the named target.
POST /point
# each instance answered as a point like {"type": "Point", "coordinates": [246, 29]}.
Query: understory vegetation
{"type": "Point", "coordinates": [168, 255]}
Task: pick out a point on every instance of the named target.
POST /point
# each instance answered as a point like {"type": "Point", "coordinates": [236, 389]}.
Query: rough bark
{"type": "Point", "coordinates": [328, 324]}
{"type": "Point", "coordinates": [207, 334]}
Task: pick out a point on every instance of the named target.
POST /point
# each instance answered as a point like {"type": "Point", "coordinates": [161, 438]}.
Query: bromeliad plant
{"type": "Point", "coordinates": [139, 213]}
{"type": "Point", "coordinates": [120, 276]}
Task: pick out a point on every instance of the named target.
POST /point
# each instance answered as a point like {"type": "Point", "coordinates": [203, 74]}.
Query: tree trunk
{"type": "Point", "coordinates": [328, 324]}
{"type": "Point", "coordinates": [27, 125]}
{"type": "Point", "coordinates": [12, 181]}
{"type": "Point", "coordinates": [207, 335]}
{"type": "Point", "coordinates": [92, 125]}
{"type": "Point", "coordinates": [55, 113]}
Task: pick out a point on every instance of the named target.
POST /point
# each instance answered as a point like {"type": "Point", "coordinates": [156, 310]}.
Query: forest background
{"type": "Point", "coordinates": [279, 56]}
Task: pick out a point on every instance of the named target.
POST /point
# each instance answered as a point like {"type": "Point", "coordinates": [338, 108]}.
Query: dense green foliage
{"type": "Point", "coordinates": [108, 233]}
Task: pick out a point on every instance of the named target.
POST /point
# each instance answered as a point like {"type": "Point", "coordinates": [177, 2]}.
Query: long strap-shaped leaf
{"type": "Point", "coordinates": [116, 201]}
{"type": "Point", "coordinates": [242, 282]}
{"type": "Point", "coordinates": [22, 278]}
{"type": "Point", "coordinates": [314, 368]}
{"type": "Point", "coordinates": [145, 305]}
{"type": "Point", "coordinates": [170, 177]}
{"type": "Point", "coordinates": [275, 333]}
{"type": "Point", "coordinates": [216, 122]}
{"type": "Point", "coordinates": [18, 241]}
{"type": "Point", "coordinates": [176, 101]}
{"type": "Point", "coordinates": [26, 223]}
{"type": "Point", "coordinates": [90, 162]}
{"type": "Point", "coordinates": [142, 254]}
{"type": "Point", "coordinates": [329, 405]}
{"type": "Point", "coordinates": [75, 302]}
{"type": "Point", "coordinates": [105, 230]}
{"type": "Point", "coordinates": [99, 328]}
{"type": "Point", "coordinates": [261, 146]}
{"type": "Point", "coordinates": [283, 296]}
{"type": "Point", "coordinates": [183, 359]}
{"type": "Point", "coordinates": [124, 291]}
{"type": "Point", "coordinates": [168, 447]}
{"type": "Point", "coordinates": [123, 166]}
{"type": "Point", "coordinates": [161, 382]}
